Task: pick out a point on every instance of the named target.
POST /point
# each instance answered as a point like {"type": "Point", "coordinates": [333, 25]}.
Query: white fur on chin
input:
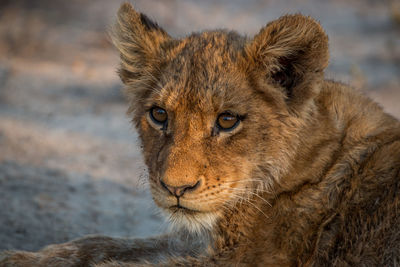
{"type": "Point", "coordinates": [198, 223]}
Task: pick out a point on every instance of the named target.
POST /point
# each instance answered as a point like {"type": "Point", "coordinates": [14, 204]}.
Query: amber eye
{"type": "Point", "coordinates": [227, 121]}
{"type": "Point", "coordinates": [158, 115]}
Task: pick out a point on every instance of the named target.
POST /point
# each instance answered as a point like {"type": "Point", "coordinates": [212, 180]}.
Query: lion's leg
{"type": "Point", "coordinates": [91, 250]}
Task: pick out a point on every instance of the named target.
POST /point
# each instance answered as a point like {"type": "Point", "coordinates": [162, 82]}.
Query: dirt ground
{"type": "Point", "coordinates": [70, 162]}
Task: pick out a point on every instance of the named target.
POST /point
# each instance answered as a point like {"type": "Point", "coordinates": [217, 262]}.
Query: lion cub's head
{"type": "Point", "coordinates": [218, 114]}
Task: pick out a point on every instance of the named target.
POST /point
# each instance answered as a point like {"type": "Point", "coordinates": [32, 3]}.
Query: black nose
{"type": "Point", "coordinates": [178, 191]}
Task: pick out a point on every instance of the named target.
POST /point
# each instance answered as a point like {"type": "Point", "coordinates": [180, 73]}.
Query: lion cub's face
{"type": "Point", "coordinates": [199, 127]}
{"type": "Point", "coordinates": [213, 111]}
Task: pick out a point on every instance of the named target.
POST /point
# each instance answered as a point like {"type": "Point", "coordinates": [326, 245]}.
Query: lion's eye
{"type": "Point", "coordinates": [158, 115]}
{"type": "Point", "coordinates": [227, 121]}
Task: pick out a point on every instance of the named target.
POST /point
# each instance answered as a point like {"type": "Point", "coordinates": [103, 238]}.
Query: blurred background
{"type": "Point", "coordinates": [70, 164]}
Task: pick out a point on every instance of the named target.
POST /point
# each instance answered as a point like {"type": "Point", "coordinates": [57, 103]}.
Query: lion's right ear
{"type": "Point", "coordinates": [139, 42]}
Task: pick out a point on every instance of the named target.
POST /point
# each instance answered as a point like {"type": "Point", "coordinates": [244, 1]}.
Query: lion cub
{"type": "Point", "coordinates": [254, 157]}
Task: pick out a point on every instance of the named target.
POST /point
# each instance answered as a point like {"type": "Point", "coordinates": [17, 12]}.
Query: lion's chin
{"type": "Point", "coordinates": [193, 221]}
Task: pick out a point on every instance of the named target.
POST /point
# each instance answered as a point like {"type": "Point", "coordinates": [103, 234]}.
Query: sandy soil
{"type": "Point", "coordinates": [70, 162]}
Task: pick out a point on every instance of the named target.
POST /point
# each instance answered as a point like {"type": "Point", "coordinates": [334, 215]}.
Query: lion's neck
{"type": "Point", "coordinates": [284, 231]}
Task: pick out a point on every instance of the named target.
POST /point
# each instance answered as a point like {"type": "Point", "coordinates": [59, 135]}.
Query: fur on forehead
{"type": "Point", "coordinates": [203, 72]}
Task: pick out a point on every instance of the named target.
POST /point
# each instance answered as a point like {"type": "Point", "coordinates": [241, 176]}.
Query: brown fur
{"type": "Point", "coordinates": [310, 177]}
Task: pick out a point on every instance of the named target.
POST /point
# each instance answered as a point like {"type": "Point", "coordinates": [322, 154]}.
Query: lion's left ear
{"type": "Point", "coordinates": [292, 53]}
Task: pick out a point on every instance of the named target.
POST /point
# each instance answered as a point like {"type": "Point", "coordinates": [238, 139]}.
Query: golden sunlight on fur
{"type": "Point", "coordinates": [254, 157]}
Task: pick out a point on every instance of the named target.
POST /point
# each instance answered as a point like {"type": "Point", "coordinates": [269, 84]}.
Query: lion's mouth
{"type": "Point", "coordinates": [180, 208]}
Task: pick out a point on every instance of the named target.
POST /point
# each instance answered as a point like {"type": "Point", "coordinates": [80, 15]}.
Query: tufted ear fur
{"type": "Point", "coordinates": [139, 41]}
{"type": "Point", "coordinates": [292, 53]}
